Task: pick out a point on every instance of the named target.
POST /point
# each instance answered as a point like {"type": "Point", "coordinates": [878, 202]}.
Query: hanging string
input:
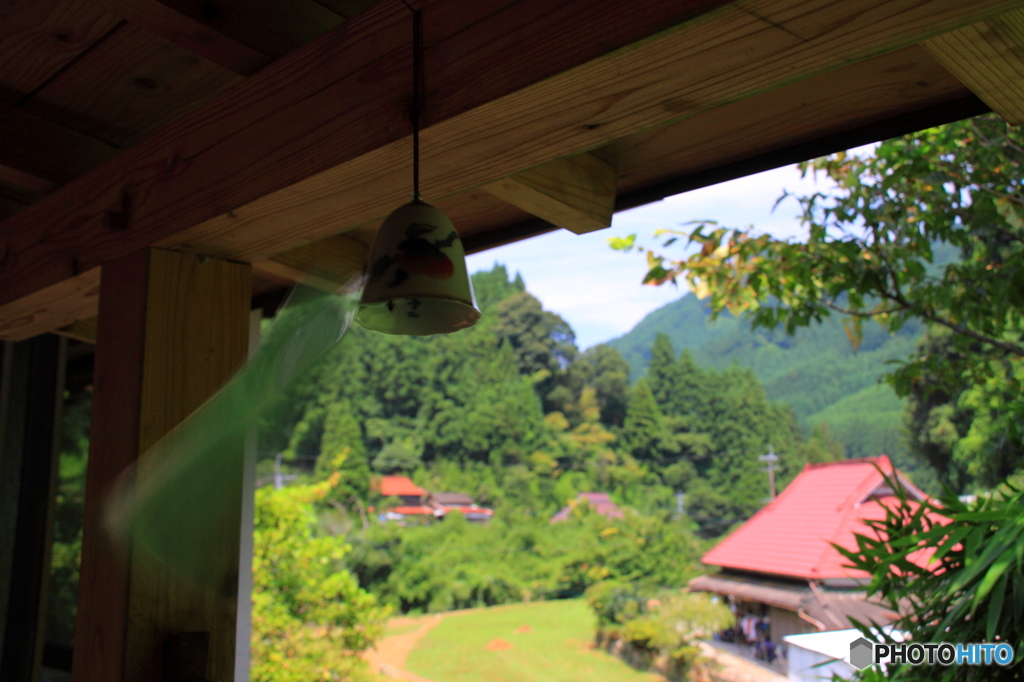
{"type": "Point", "coordinates": [417, 85]}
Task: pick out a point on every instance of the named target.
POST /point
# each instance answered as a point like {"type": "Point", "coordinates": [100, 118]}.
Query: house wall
{"type": "Point", "coordinates": [784, 622]}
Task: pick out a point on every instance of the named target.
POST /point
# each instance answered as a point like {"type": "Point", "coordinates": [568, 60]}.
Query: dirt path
{"type": "Point", "coordinates": [388, 657]}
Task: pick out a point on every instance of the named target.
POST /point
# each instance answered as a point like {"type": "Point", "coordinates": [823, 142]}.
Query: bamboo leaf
{"type": "Point", "coordinates": [995, 608]}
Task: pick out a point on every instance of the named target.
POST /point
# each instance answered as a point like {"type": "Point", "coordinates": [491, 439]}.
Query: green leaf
{"type": "Point", "coordinates": [995, 608]}
{"type": "Point", "coordinates": [1018, 596]}
{"type": "Point", "coordinates": [622, 243]}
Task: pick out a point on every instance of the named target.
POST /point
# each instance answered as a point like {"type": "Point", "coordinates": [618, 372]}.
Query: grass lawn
{"type": "Point", "coordinates": [540, 642]}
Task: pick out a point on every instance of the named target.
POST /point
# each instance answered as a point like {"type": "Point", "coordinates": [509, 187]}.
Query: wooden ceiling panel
{"type": "Point", "coordinates": [274, 28]}
{"type": "Point", "coordinates": [38, 38]}
{"type": "Point", "coordinates": [346, 8]}
{"type": "Point", "coordinates": [893, 84]}
{"type": "Point", "coordinates": [478, 210]}
{"type": "Point", "coordinates": [41, 149]}
{"type": "Point", "coordinates": [240, 35]}
{"type": "Point", "coordinates": [130, 86]}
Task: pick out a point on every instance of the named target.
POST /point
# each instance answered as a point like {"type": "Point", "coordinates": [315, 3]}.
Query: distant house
{"type": "Point", "coordinates": [462, 503]}
{"type": "Point", "coordinates": [417, 502]}
{"type": "Point", "coordinates": [599, 502]}
{"type": "Point", "coordinates": [779, 570]}
{"type": "Point", "coordinates": [413, 498]}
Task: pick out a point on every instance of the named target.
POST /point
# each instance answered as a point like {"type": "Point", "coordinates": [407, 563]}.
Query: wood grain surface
{"type": "Point", "coordinates": [317, 141]}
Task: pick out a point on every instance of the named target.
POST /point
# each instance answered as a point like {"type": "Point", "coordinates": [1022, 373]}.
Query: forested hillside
{"type": "Point", "coordinates": [514, 414]}
{"type": "Point", "coordinates": [817, 371]}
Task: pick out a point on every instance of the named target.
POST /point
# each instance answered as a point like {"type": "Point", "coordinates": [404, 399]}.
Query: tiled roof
{"type": "Point", "coordinates": [398, 486]}
{"type": "Point", "coordinates": [451, 498]}
{"type": "Point", "coordinates": [825, 503]}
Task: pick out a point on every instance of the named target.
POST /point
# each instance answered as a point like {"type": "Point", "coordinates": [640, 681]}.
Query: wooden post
{"type": "Point", "coordinates": [31, 398]}
{"type": "Point", "coordinates": [172, 328]}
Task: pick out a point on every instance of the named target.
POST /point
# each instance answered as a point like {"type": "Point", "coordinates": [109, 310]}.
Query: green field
{"type": "Point", "coordinates": [539, 642]}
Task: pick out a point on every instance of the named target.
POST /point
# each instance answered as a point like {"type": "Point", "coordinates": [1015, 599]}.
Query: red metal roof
{"type": "Point", "coordinates": [825, 503]}
{"type": "Point", "coordinates": [399, 486]}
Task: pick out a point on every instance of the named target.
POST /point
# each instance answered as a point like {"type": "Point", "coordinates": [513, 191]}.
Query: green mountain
{"type": "Point", "coordinates": [816, 371]}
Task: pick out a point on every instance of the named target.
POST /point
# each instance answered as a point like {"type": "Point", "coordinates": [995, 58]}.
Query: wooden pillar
{"type": "Point", "coordinates": [172, 328]}
{"type": "Point", "coordinates": [31, 397]}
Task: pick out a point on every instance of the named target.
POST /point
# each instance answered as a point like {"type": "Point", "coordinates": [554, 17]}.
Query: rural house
{"type": "Point", "coordinates": [462, 503]}
{"type": "Point", "coordinates": [780, 570]}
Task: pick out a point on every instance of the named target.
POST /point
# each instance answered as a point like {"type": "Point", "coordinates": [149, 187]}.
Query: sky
{"type": "Point", "coordinates": [598, 290]}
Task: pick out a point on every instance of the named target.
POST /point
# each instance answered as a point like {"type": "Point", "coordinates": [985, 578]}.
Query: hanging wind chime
{"type": "Point", "coordinates": [417, 281]}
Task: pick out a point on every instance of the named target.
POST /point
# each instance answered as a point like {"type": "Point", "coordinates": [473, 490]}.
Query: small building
{"type": "Point", "coordinates": [824, 656]}
{"type": "Point", "coordinates": [779, 569]}
{"type": "Point", "coordinates": [404, 489]}
{"type": "Point", "coordinates": [413, 499]}
{"type": "Point", "coordinates": [462, 503]}
{"type": "Point", "coordinates": [599, 502]}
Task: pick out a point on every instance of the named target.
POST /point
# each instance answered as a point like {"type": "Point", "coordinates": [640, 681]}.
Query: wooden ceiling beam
{"type": "Point", "coordinates": [242, 36]}
{"type": "Point", "coordinates": [576, 193]}
{"type": "Point", "coordinates": [38, 155]}
{"type": "Point", "coordinates": [988, 57]}
{"type": "Point", "coordinates": [80, 330]}
{"type": "Point", "coordinates": [319, 140]}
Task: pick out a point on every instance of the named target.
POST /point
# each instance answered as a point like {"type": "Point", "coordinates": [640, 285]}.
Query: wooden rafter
{"type": "Point", "coordinates": [576, 193]}
{"type": "Point", "coordinates": [317, 141]}
{"type": "Point", "coordinates": [988, 57]}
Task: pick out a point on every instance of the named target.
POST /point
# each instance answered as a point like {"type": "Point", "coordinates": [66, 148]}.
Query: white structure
{"type": "Point", "coordinates": [817, 656]}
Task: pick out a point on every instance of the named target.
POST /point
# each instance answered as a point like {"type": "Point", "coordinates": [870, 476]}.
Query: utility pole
{"type": "Point", "coordinates": [279, 477]}
{"type": "Point", "coordinates": [771, 458]}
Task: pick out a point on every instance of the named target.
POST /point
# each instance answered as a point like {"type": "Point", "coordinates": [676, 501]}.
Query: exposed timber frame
{"type": "Point", "coordinates": [316, 143]}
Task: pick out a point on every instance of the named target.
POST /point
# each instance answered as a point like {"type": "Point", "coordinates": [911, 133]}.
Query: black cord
{"type": "Point", "coordinates": [417, 83]}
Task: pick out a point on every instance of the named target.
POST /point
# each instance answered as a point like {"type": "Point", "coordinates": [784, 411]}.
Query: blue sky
{"type": "Point", "coordinates": [598, 290]}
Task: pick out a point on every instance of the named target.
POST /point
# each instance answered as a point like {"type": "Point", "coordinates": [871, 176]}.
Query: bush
{"type": "Point", "coordinates": [310, 618]}
{"type": "Point", "coordinates": [655, 631]}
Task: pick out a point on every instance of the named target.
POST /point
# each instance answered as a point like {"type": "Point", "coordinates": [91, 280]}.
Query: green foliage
{"type": "Point", "coordinates": [62, 602]}
{"type": "Point", "coordinates": [816, 371]}
{"type": "Point", "coordinates": [707, 435]}
{"type": "Point", "coordinates": [543, 343]}
{"type": "Point", "coordinates": [455, 564]}
{"type": "Point", "coordinates": [955, 570]}
{"type": "Point", "coordinates": [310, 618]}
{"type": "Point", "coordinates": [874, 253]}
{"type": "Point", "coordinates": [653, 624]}
{"type": "Point", "coordinates": [969, 431]}
{"type": "Point", "coordinates": [605, 370]}
{"type": "Point", "coordinates": [642, 432]}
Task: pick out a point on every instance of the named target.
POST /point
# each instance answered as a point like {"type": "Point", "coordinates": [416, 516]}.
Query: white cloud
{"type": "Point", "coordinates": [598, 290]}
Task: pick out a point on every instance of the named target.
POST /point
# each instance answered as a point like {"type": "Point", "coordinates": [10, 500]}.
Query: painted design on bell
{"type": "Point", "coordinates": [417, 255]}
